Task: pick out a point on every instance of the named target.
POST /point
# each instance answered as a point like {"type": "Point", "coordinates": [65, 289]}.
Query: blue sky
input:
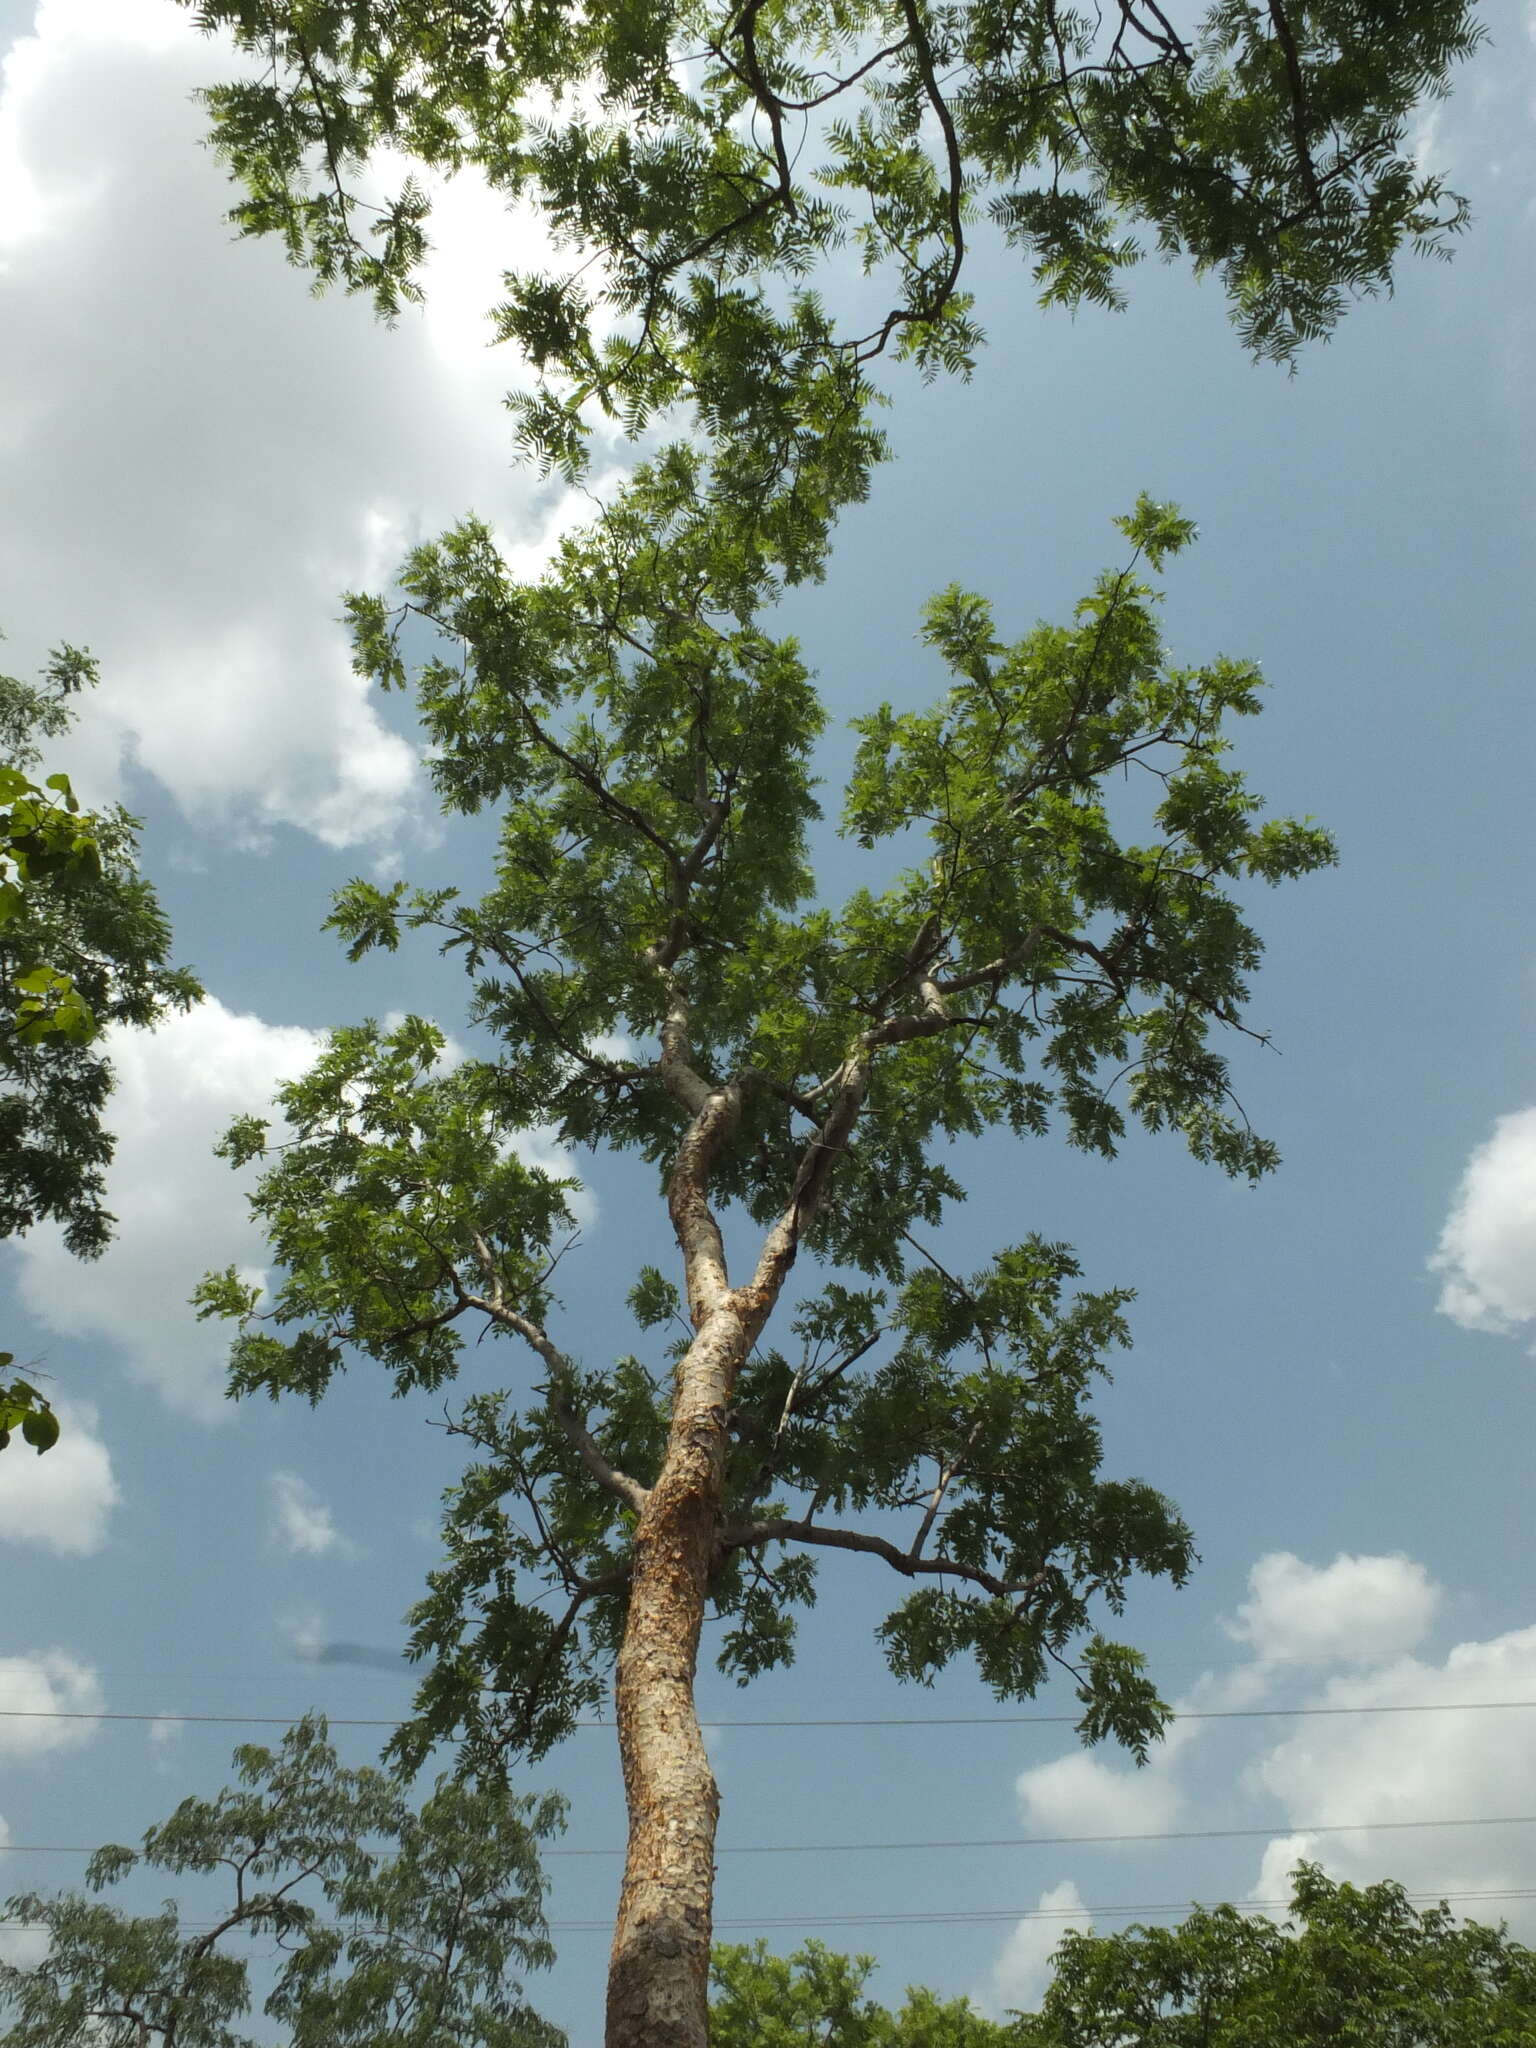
{"type": "Point", "coordinates": [200, 457]}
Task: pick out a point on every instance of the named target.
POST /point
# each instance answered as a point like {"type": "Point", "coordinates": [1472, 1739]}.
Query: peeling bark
{"type": "Point", "coordinates": [658, 1978]}
{"type": "Point", "coordinates": [658, 1974]}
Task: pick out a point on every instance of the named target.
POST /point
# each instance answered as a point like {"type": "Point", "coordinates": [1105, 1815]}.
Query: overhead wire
{"type": "Point", "coordinates": [1325, 1827]}
{"type": "Point", "coordinates": [926, 1917]}
{"type": "Point", "coordinates": [798, 1721]}
{"type": "Point", "coordinates": [923, 1917]}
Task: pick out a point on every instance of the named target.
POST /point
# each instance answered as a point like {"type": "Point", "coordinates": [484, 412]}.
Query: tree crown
{"type": "Point", "coordinates": [657, 971]}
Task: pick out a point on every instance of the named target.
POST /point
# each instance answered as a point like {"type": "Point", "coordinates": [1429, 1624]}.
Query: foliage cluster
{"type": "Point", "coordinates": [83, 946]}
{"type": "Point", "coordinates": [1350, 1965]}
{"type": "Point", "coordinates": [712, 169]}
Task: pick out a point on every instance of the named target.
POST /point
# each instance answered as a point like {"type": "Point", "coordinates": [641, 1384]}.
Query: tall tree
{"type": "Point", "coordinates": [1349, 1965]}
{"type": "Point", "coordinates": [656, 960]}
{"type": "Point", "coordinates": [393, 1924]}
{"type": "Point", "coordinates": [83, 945]}
{"type": "Point", "coordinates": [661, 975]}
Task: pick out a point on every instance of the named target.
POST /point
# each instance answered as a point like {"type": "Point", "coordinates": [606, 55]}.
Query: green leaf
{"type": "Point", "coordinates": [40, 1427]}
{"type": "Point", "coordinates": [653, 1299]}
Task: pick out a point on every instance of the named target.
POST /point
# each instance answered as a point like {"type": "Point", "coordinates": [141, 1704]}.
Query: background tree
{"type": "Point", "coordinates": [391, 1923]}
{"type": "Point", "coordinates": [659, 974]}
{"type": "Point", "coordinates": [1349, 1965]}
{"type": "Point", "coordinates": [713, 167]}
{"type": "Point", "coordinates": [815, 1997]}
{"type": "Point", "coordinates": [83, 944]}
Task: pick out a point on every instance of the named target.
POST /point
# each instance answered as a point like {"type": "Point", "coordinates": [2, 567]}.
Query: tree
{"type": "Point", "coordinates": [659, 975]}
{"type": "Point", "coordinates": [712, 166]}
{"type": "Point", "coordinates": [392, 1923]}
{"type": "Point", "coordinates": [83, 945]}
{"type": "Point", "coordinates": [655, 962]}
{"type": "Point", "coordinates": [814, 1996]}
{"type": "Point", "coordinates": [1349, 1966]}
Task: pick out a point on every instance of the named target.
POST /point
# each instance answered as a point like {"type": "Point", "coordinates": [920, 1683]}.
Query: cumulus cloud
{"type": "Point", "coordinates": [1080, 1794]}
{"type": "Point", "coordinates": [1384, 1768]}
{"type": "Point", "coordinates": [1022, 1970]}
{"type": "Point", "coordinates": [1351, 1629]}
{"type": "Point", "coordinates": [180, 1211]}
{"type": "Point", "coordinates": [1298, 1619]}
{"type": "Point", "coordinates": [199, 456]}
{"type": "Point", "coordinates": [63, 1499]}
{"type": "Point", "coordinates": [40, 1684]}
{"type": "Point", "coordinates": [301, 1522]}
{"type": "Point", "coordinates": [1345, 1635]}
{"type": "Point", "coordinates": [1357, 1610]}
{"type": "Point", "coordinates": [1487, 1251]}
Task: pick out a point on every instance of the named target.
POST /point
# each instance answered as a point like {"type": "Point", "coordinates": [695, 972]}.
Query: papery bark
{"type": "Point", "coordinates": [658, 1973]}
{"type": "Point", "coordinates": [658, 1981]}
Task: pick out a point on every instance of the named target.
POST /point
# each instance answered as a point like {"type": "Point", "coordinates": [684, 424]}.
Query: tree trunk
{"type": "Point", "coordinates": [658, 1974]}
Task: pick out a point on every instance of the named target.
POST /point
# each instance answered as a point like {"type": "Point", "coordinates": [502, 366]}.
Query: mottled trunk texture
{"type": "Point", "coordinates": [658, 1978]}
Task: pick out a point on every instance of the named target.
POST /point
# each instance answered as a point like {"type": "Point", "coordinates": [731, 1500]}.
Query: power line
{"type": "Point", "coordinates": [1322, 1827]}
{"type": "Point", "coordinates": [988, 1915]}
{"type": "Point", "coordinates": [979, 1916]}
{"type": "Point", "coordinates": [790, 1721]}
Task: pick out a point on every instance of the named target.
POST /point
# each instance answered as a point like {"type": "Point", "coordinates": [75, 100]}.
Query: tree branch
{"type": "Point", "coordinates": [996, 972]}
{"type": "Point", "coordinates": [562, 1377]}
{"type": "Point", "coordinates": [1287, 42]}
{"type": "Point", "coordinates": [528, 1699]}
{"type": "Point", "coordinates": [917, 37]}
{"type": "Point", "coordinates": [746, 23]}
{"type": "Point", "coordinates": [747, 1535]}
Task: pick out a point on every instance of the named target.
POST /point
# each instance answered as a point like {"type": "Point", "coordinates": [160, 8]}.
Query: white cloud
{"type": "Point", "coordinates": [1357, 1610]}
{"type": "Point", "coordinates": [1271, 1889]}
{"type": "Point", "coordinates": [180, 1211]}
{"type": "Point", "coordinates": [1298, 1618]}
{"type": "Point", "coordinates": [62, 1499]}
{"type": "Point", "coordinates": [301, 1521]}
{"type": "Point", "coordinates": [1487, 1250]}
{"type": "Point", "coordinates": [305, 1634]}
{"type": "Point", "coordinates": [541, 1149]}
{"type": "Point", "coordinates": [1079, 1794]}
{"type": "Point", "coordinates": [200, 457]}
{"type": "Point", "coordinates": [1338, 1636]}
{"type": "Point", "coordinates": [43, 1683]}
{"type": "Point", "coordinates": [1022, 1970]}
{"type": "Point", "coordinates": [165, 1740]}
{"type": "Point", "coordinates": [1363, 1768]}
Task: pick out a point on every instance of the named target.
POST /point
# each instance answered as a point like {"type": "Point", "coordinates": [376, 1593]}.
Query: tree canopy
{"type": "Point", "coordinates": [719, 173]}
{"type": "Point", "coordinates": [392, 1922]}
{"type": "Point", "coordinates": [1350, 1965]}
